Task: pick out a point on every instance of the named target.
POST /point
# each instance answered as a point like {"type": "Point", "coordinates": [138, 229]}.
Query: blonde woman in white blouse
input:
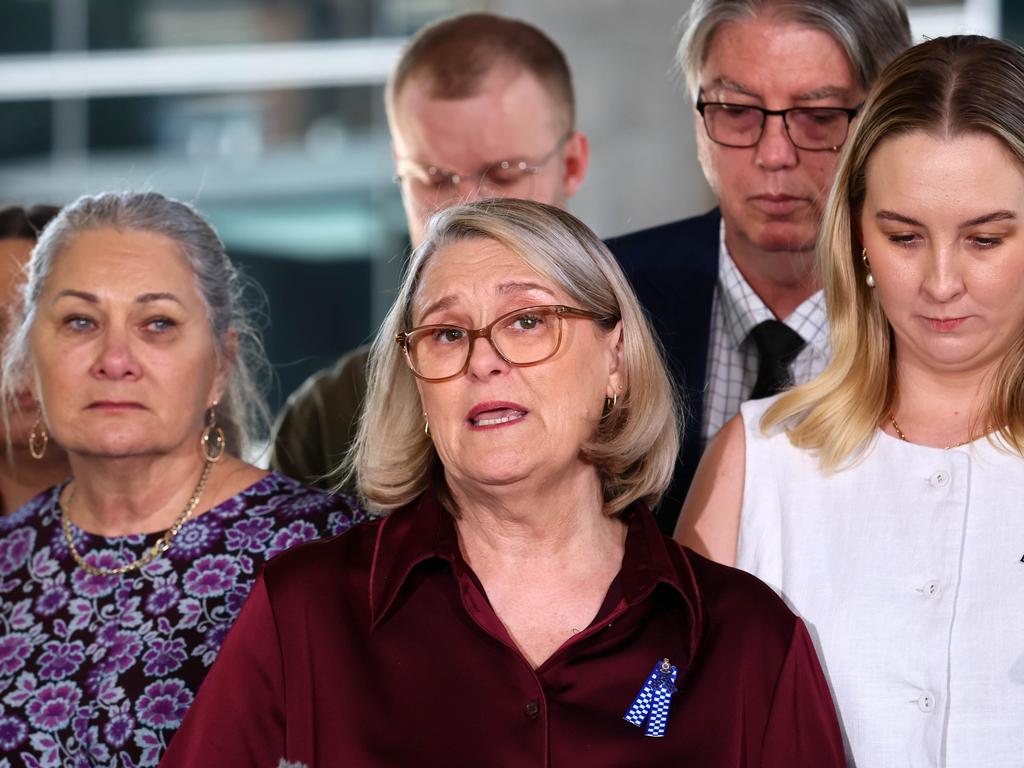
{"type": "Point", "coordinates": [883, 499]}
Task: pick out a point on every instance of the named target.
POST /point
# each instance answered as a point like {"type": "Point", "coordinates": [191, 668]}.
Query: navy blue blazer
{"type": "Point", "coordinates": [674, 268]}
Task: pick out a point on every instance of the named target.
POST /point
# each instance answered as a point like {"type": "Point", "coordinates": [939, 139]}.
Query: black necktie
{"type": "Point", "coordinates": [777, 347]}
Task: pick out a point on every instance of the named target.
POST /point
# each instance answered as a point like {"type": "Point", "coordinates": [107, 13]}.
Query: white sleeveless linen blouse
{"type": "Point", "coordinates": [908, 569]}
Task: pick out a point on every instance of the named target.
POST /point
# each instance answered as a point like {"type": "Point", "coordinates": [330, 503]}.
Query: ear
{"type": "Point", "coordinates": [699, 131]}
{"type": "Point", "coordinates": [576, 160]}
{"type": "Point", "coordinates": [617, 379]}
{"type": "Point", "coordinates": [225, 362]}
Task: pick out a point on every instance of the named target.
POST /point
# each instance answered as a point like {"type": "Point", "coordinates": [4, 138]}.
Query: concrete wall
{"type": "Point", "coordinates": [634, 108]}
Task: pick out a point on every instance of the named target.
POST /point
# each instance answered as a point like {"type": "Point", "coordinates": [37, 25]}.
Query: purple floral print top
{"type": "Point", "coordinates": [98, 670]}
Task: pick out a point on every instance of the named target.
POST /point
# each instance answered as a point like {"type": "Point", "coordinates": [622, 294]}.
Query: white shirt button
{"type": "Point", "coordinates": [931, 589]}
{"type": "Point", "coordinates": [939, 479]}
{"type": "Point", "coordinates": [926, 702]}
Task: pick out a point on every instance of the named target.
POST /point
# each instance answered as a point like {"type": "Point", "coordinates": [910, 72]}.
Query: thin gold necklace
{"type": "Point", "coordinates": [900, 434]}
{"type": "Point", "coordinates": [153, 552]}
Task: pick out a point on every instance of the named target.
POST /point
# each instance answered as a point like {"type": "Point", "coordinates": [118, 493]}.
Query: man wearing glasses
{"type": "Point", "coordinates": [733, 294]}
{"type": "Point", "coordinates": [478, 106]}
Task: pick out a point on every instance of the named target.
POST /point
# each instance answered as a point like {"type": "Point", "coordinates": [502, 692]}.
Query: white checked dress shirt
{"type": "Point", "coordinates": [732, 356]}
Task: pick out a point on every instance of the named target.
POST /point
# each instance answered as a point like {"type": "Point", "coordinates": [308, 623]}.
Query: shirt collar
{"type": "Point", "coordinates": [406, 538]}
{"type": "Point", "coordinates": [424, 531]}
{"type": "Point", "coordinates": [743, 309]}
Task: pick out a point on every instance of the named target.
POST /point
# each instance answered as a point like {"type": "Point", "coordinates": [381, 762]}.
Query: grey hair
{"type": "Point", "coordinates": [242, 411]}
{"type": "Point", "coordinates": [635, 446]}
{"type": "Point", "coordinates": [871, 32]}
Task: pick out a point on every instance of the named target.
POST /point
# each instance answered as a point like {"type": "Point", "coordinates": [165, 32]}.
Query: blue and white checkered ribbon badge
{"type": "Point", "coordinates": [651, 704]}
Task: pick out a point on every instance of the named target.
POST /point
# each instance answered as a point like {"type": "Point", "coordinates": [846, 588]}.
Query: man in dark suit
{"type": "Point", "coordinates": [733, 293]}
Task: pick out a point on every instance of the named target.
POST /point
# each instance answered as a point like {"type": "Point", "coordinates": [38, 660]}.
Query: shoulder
{"type": "Point", "coordinates": [33, 511]}
{"type": "Point", "coordinates": [737, 604]}
{"type": "Point", "coordinates": [706, 223]}
{"type": "Point", "coordinates": [724, 460]}
{"type": "Point", "coordinates": [666, 238]}
{"type": "Point", "coordinates": [710, 519]}
{"type": "Point", "coordinates": [752, 412]}
{"type": "Point", "coordinates": [288, 501]}
{"type": "Point", "coordinates": [730, 439]}
{"type": "Point", "coordinates": [344, 375]}
{"type": "Point", "coordinates": [339, 563]}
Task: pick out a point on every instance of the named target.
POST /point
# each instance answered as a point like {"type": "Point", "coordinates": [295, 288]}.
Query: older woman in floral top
{"type": "Point", "coordinates": [118, 586]}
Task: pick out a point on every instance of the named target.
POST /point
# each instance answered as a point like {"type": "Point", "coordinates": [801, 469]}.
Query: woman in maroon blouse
{"type": "Point", "coordinates": [517, 605]}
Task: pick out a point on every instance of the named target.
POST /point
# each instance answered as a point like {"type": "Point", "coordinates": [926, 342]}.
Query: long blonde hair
{"type": "Point", "coordinates": [949, 86]}
{"type": "Point", "coordinates": [634, 449]}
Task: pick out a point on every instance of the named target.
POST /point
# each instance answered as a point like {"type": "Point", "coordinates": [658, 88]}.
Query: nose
{"type": "Point", "coordinates": [116, 360]}
{"type": "Point", "coordinates": [484, 360]}
{"type": "Point", "coordinates": [943, 280]}
{"type": "Point", "coordinates": [775, 151]}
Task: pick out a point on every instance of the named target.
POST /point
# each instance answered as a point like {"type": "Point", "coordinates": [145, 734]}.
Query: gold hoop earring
{"type": "Point", "coordinates": [38, 438]}
{"type": "Point", "coordinates": [426, 425]}
{"type": "Point", "coordinates": [212, 442]}
{"type": "Point", "coordinates": [870, 279]}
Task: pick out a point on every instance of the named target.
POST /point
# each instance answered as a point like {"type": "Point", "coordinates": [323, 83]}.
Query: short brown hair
{"type": "Point", "coordinates": [456, 54]}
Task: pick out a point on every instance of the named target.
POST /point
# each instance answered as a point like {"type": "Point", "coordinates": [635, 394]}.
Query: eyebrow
{"type": "Point", "coordinates": [731, 85]}
{"type": "Point", "coordinates": [987, 218]}
{"type": "Point", "coordinates": [145, 298]}
{"type": "Point", "coordinates": [825, 92]}
{"type": "Point", "coordinates": [504, 289]}
{"type": "Point", "coordinates": [92, 298]}
{"type": "Point", "coordinates": [445, 302]}
{"type": "Point", "coordinates": [514, 286]}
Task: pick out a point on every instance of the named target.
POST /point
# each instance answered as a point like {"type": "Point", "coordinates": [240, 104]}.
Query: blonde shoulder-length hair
{"type": "Point", "coordinates": [949, 86]}
{"type": "Point", "coordinates": [634, 448]}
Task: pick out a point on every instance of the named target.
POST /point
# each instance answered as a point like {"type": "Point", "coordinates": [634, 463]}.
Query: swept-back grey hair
{"type": "Point", "coordinates": [242, 411]}
{"type": "Point", "coordinates": [872, 32]}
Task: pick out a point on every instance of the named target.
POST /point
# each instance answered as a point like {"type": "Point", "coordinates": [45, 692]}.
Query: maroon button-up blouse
{"type": "Point", "coordinates": [380, 648]}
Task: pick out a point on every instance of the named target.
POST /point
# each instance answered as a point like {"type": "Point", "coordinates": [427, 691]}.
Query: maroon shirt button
{"type": "Point", "coordinates": [531, 708]}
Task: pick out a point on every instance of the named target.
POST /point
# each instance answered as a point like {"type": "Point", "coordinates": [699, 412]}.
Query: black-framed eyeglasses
{"type": "Point", "coordinates": [816, 129]}
{"type": "Point", "coordinates": [496, 177]}
{"type": "Point", "coordinates": [522, 338]}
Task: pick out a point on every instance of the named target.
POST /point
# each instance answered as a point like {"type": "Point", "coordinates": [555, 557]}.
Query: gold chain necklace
{"type": "Point", "coordinates": [153, 552]}
{"type": "Point", "coordinates": [900, 434]}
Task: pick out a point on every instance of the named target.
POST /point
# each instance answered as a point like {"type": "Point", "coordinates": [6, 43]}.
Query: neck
{"type": "Point", "coordinates": [517, 524]}
{"type": "Point", "coordinates": [124, 496]}
{"type": "Point", "coordinates": [782, 279]}
{"type": "Point", "coordinates": [940, 410]}
{"type": "Point", "coordinates": [23, 477]}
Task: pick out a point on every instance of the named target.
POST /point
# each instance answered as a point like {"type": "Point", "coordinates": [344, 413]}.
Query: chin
{"type": "Point", "coordinates": [785, 238]}
{"type": "Point", "coordinates": [112, 446]}
{"type": "Point", "coordinates": [490, 474]}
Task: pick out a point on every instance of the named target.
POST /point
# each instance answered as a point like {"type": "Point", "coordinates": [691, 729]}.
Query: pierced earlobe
{"type": "Point", "coordinates": [870, 279]}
